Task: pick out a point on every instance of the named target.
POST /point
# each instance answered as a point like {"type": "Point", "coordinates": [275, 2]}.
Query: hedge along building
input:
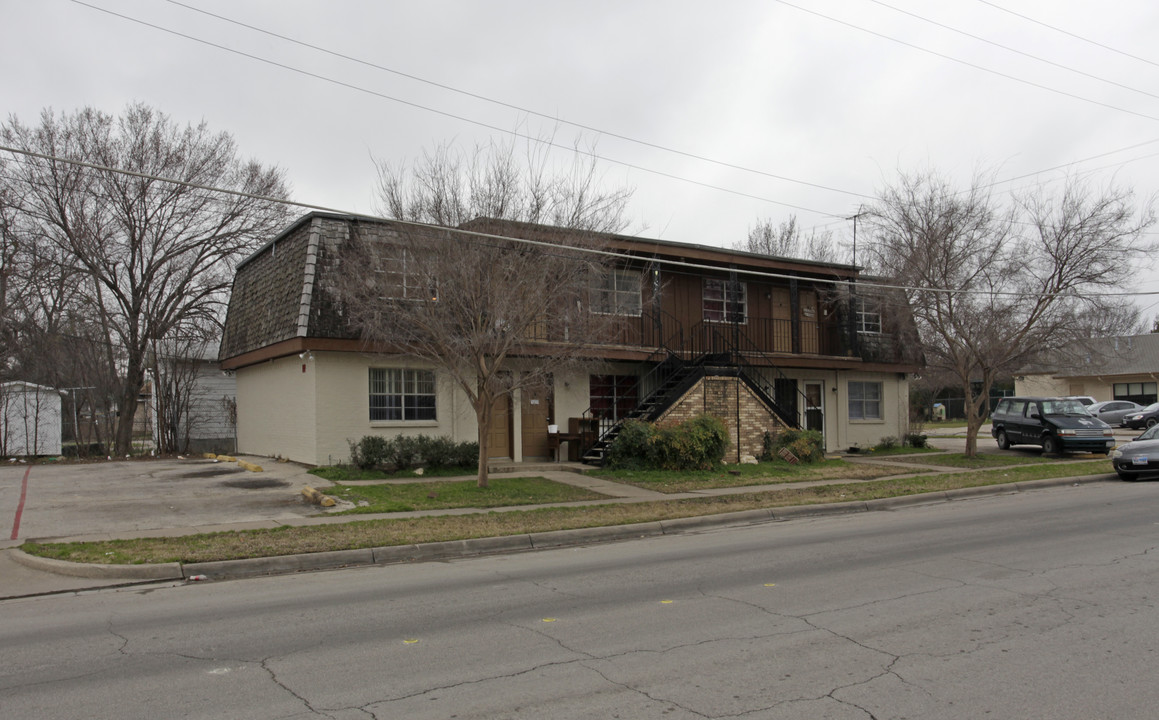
{"type": "Point", "coordinates": [764, 343]}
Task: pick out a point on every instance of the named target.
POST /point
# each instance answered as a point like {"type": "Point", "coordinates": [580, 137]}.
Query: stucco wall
{"type": "Point", "coordinates": [276, 410]}
{"type": "Point", "coordinates": [312, 416]}
{"type": "Point", "coordinates": [343, 403]}
{"type": "Point", "coordinates": [865, 434]}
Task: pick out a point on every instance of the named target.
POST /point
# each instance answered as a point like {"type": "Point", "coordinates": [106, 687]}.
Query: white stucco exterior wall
{"type": "Point", "coordinates": [276, 409]}
{"type": "Point", "coordinates": [313, 416]}
{"type": "Point", "coordinates": [1042, 386]}
{"type": "Point", "coordinates": [343, 402]}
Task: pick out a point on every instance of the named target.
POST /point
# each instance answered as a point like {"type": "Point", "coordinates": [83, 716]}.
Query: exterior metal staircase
{"type": "Point", "coordinates": [707, 350]}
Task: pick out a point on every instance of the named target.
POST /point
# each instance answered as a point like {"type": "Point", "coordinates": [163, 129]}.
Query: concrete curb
{"type": "Point", "coordinates": [397, 554]}
{"type": "Point", "coordinates": [160, 571]}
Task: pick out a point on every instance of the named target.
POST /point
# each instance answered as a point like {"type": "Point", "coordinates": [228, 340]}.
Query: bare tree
{"type": "Point", "coordinates": [174, 368]}
{"type": "Point", "coordinates": [450, 186]}
{"type": "Point", "coordinates": [993, 287]}
{"type": "Point", "coordinates": [155, 253]}
{"type": "Point", "coordinates": [789, 240]}
{"type": "Point", "coordinates": [476, 305]}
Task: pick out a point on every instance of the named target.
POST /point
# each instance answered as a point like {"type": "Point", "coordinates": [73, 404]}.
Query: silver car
{"type": "Point", "coordinates": [1139, 457]}
{"type": "Point", "coordinates": [1112, 411]}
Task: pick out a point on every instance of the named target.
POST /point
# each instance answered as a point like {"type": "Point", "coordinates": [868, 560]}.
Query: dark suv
{"type": "Point", "coordinates": [1057, 424]}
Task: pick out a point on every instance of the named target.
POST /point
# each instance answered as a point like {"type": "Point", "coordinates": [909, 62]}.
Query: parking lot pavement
{"type": "Point", "coordinates": [955, 441]}
{"type": "Point", "coordinates": [126, 497]}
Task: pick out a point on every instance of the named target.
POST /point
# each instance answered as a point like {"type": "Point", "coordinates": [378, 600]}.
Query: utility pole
{"type": "Point", "coordinates": [859, 213]}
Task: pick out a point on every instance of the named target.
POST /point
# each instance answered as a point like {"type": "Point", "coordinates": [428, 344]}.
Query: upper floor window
{"type": "Point", "coordinates": [402, 394]}
{"type": "Point", "coordinates": [869, 321]}
{"type": "Point", "coordinates": [402, 276]}
{"type": "Point", "coordinates": [725, 301]}
{"type": "Point", "coordinates": [616, 292]}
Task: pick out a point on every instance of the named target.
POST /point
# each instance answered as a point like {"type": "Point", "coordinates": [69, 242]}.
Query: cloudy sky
{"type": "Point", "coordinates": [718, 114]}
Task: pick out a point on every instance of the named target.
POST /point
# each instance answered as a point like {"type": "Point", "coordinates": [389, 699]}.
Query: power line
{"type": "Point", "coordinates": [964, 62]}
{"type": "Point", "coordinates": [511, 106]}
{"type": "Point", "coordinates": [462, 118]}
{"type": "Point", "coordinates": [1009, 49]}
{"type": "Point", "coordinates": [592, 155]}
{"type": "Point", "coordinates": [1070, 34]}
{"type": "Point", "coordinates": [549, 245]}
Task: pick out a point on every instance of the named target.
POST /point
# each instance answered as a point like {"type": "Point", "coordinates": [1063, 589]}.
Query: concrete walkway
{"type": "Point", "coordinates": [24, 575]}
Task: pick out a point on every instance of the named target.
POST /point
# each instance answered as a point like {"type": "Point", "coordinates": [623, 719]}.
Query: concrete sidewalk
{"type": "Point", "coordinates": [23, 575]}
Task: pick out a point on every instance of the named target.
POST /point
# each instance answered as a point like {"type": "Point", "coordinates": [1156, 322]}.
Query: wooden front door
{"type": "Point", "coordinates": [499, 439]}
{"type": "Point", "coordinates": [536, 411]}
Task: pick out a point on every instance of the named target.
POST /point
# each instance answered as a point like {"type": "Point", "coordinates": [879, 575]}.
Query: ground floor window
{"type": "Point", "coordinates": [1143, 393]}
{"type": "Point", "coordinates": [613, 396]}
{"type": "Point", "coordinates": [402, 394]}
{"type": "Point", "coordinates": [864, 400]}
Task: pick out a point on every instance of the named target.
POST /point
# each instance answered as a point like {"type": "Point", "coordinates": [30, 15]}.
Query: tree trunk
{"type": "Point", "coordinates": [973, 421]}
{"type": "Point", "coordinates": [127, 407]}
{"type": "Point", "coordinates": [483, 416]}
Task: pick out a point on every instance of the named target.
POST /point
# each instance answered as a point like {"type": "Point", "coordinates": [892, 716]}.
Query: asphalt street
{"type": "Point", "coordinates": [1032, 605]}
{"type": "Point", "coordinates": [139, 498]}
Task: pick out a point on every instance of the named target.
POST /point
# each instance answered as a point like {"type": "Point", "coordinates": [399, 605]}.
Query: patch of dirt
{"type": "Point", "coordinates": [256, 483]}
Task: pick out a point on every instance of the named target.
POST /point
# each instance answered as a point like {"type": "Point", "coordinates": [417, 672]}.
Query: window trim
{"type": "Point", "coordinates": [411, 406]}
{"type": "Point", "coordinates": [599, 287]}
{"type": "Point", "coordinates": [859, 399]}
{"type": "Point", "coordinates": [388, 258]}
{"type": "Point", "coordinates": [863, 326]}
{"type": "Point", "coordinates": [727, 304]}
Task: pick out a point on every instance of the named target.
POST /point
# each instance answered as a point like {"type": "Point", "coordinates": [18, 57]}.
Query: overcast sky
{"type": "Point", "coordinates": [815, 104]}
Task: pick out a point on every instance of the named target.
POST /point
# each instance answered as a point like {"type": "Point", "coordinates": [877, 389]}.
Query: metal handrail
{"type": "Point", "coordinates": [734, 342]}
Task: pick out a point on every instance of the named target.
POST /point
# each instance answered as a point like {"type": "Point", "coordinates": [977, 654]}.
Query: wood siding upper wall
{"type": "Point", "coordinates": [769, 311]}
{"type": "Point", "coordinates": [283, 299]}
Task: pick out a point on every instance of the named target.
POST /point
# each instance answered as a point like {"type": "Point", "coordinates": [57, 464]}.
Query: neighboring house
{"type": "Point", "coordinates": [1122, 368]}
{"type": "Point", "coordinates": [30, 422]}
{"type": "Point", "coordinates": [776, 348]}
{"type": "Point", "coordinates": [193, 400]}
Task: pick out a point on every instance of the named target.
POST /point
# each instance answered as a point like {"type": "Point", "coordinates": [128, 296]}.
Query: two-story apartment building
{"type": "Point", "coordinates": [762, 342]}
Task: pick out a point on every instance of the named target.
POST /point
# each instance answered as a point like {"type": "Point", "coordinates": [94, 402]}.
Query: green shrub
{"type": "Point", "coordinates": [886, 443]}
{"type": "Point", "coordinates": [806, 445]}
{"type": "Point", "coordinates": [406, 452]}
{"type": "Point", "coordinates": [916, 440]}
{"type": "Point", "coordinates": [371, 451]}
{"type": "Point", "coordinates": [696, 444]}
{"type": "Point", "coordinates": [467, 455]}
{"type": "Point", "coordinates": [436, 452]}
{"type": "Point", "coordinates": [632, 449]}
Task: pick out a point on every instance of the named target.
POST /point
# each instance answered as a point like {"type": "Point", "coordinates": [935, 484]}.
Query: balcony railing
{"type": "Point", "coordinates": [653, 330]}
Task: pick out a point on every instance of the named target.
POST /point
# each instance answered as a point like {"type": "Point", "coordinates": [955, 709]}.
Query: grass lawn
{"type": "Point", "coordinates": [502, 492]}
{"type": "Point", "coordinates": [379, 533]}
{"type": "Point", "coordinates": [977, 462]}
{"type": "Point", "coordinates": [765, 473]}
